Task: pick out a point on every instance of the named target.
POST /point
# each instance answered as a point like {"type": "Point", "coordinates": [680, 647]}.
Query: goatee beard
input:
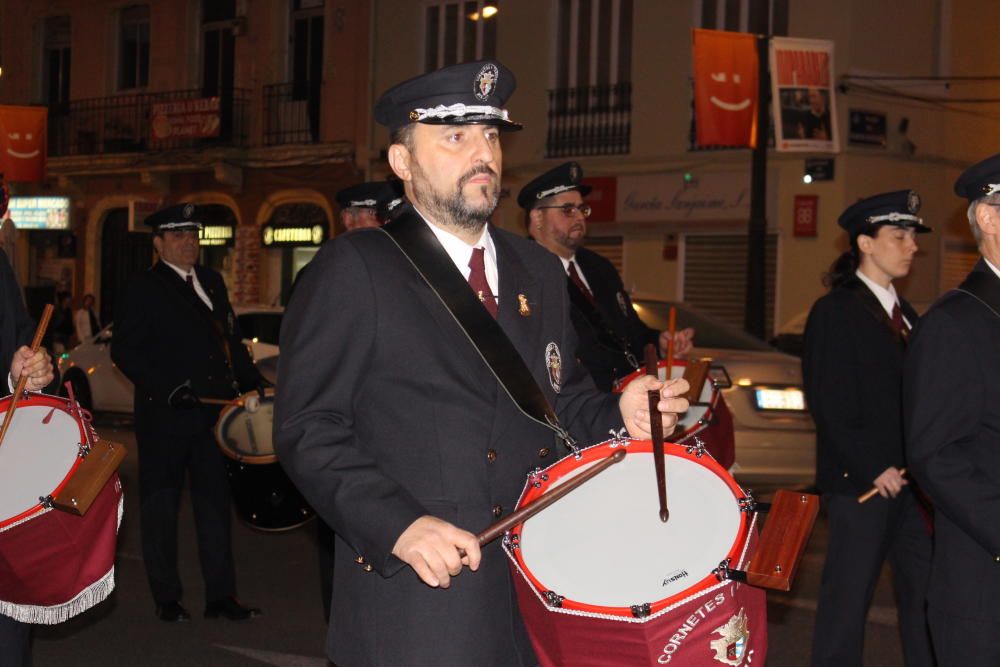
{"type": "Point", "coordinates": [454, 210]}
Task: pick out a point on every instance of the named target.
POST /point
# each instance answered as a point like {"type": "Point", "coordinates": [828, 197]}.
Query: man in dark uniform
{"type": "Point", "coordinates": [387, 417]}
{"type": "Point", "coordinates": [16, 332]}
{"type": "Point", "coordinates": [852, 366]}
{"type": "Point", "coordinates": [952, 414]}
{"type": "Point", "coordinates": [612, 337]}
{"type": "Point", "coordinates": [177, 339]}
{"type": "Point", "coordinates": [368, 204]}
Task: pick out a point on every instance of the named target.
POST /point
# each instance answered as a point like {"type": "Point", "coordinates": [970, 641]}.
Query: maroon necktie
{"type": "Point", "coordinates": [898, 323]}
{"type": "Point", "coordinates": [477, 281]}
{"type": "Point", "coordinates": [574, 275]}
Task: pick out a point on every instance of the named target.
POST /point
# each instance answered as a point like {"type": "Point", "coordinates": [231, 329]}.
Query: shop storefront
{"type": "Point", "coordinates": [290, 239]}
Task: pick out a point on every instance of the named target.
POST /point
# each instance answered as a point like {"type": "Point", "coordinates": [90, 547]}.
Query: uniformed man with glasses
{"type": "Point", "coordinates": [611, 335]}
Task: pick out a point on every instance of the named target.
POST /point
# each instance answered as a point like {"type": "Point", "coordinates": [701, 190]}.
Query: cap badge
{"type": "Point", "coordinates": [188, 210]}
{"type": "Point", "coordinates": [913, 202]}
{"type": "Point", "coordinates": [522, 306]}
{"type": "Point", "coordinates": [574, 173]}
{"type": "Point", "coordinates": [486, 81]}
{"type": "Point", "coordinates": [553, 361]}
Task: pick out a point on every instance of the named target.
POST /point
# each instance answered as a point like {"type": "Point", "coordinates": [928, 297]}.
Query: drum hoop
{"type": "Point", "coordinates": [597, 452]}
{"type": "Point", "coordinates": [56, 402]}
{"type": "Point", "coordinates": [225, 416]}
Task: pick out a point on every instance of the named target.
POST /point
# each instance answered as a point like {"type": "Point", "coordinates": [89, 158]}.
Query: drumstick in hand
{"type": "Point", "coordinates": [656, 428]}
{"type": "Point", "coordinates": [22, 381]}
{"type": "Point", "coordinates": [870, 493]}
{"type": "Point", "coordinates": [671, 329]}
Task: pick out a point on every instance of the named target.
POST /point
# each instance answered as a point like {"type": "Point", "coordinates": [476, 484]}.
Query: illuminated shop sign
{"type": "Point", "coordinates": [273, 235]}
{"type": "Point", "coordinates": [40, 212]}
{"type": "Point", "coordinates": [221, 235]}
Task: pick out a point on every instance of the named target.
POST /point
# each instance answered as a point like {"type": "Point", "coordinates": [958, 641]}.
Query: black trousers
{"type": "Point", "coordinates": [165, 460]}
{"type": "Point", "coordinates": [325, 538]}
{"type": "Point", "coordinates": [861, 537]}
{"type": "Point", "coordinates": [15, 643]}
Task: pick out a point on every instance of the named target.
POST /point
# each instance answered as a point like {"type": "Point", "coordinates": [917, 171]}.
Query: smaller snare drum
{"type": "Point", "coordinates": [708, 418]}
{"type": "Point", "coordinates": [263, 495]}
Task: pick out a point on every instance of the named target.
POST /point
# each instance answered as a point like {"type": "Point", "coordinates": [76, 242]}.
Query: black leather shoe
{"type": "Point", "coordinates": [230, 608]}
{"type": "Point", "coordinates": [172, 612]}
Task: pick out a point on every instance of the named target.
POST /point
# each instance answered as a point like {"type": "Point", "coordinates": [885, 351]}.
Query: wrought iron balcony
{"type": "Point", "coordinates": [291, 113]}
{"type": "Point", "coordinates": [590, 120]}
{"type": "Point", "coordinates": [149, 121]}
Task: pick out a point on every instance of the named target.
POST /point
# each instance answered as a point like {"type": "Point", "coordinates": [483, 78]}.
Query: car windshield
{"type": "Point", "coordinates": [709, 332]}
{"type": "Point", "coordinates": [260, 327]}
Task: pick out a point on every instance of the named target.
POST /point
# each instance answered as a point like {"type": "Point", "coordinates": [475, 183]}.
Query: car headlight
{"type": "Point", "coordinates": [780, 399]}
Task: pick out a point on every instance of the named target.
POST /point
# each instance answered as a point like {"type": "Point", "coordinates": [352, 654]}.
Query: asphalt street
{"type": "Point", "coordinates": [279, 573]}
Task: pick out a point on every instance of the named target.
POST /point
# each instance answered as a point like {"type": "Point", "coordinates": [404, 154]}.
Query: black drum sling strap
{"type": "Point", "coordinates": [418, 244]}
{"type": "Point", "coordinates": [984, 288]}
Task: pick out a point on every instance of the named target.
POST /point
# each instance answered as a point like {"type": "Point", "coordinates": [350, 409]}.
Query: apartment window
{"type": "Point", "coordinates": [590, 107]}
{"type": "Point", "coordinates": [218, 47]}
{"type": "Point", "coordinates": [734, 15]}
{"type": "Point", "coordinates": [307, 46]}
{"type": "Point", "coordinates": [594, 43]}
{"type": "Point", "coordinates": [133, 56]}
{"type": "Point", "coordinates": [457, 32]}
{"type": "Point", "coordinates": [56, 60]}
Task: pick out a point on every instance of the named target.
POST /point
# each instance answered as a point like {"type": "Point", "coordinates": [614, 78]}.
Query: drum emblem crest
{"type": "Point", "coordinates": [553, 361]}
{"type": "Point", "coordinates": [622, 303]}
{"type": "Point", "coordinates": [731, 648]}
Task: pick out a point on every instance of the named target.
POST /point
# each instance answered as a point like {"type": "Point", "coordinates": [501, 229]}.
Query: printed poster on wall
{"type": "Point", "coordinates": [805, 110]}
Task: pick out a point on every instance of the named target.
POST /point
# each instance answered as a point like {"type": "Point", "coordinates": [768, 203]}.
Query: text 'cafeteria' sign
{"type": "Point", "coordinates": [40, 212]}
{"type": "Point", "coordinates": [273, 235]}
{"type": "Point", "coordinates": [185, 119]}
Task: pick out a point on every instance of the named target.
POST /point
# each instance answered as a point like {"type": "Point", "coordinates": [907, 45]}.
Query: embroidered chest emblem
{"type": "Point", "coordinates": [553, 362]}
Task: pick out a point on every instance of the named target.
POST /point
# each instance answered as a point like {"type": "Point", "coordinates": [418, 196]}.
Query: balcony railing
{"type": "Point", "coordinates": [125, 123]}
{"type": "Point", "coordinates": [590, 120]}
{"type": "Point", "coordinates": [291, 113]}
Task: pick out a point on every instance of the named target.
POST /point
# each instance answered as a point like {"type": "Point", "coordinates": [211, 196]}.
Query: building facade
{"type": "Point", "coordinates": [262, 108]}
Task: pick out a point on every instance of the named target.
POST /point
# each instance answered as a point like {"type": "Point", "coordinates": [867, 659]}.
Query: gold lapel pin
{"type": "Point", "coordinates": [522, 306]}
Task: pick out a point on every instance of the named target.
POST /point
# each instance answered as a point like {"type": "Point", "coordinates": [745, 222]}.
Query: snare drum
{"type": "Point", "coordinates": [263, 495]}
{"type": "Point", "coordinates": [53, 564]}
{"type": "Point", "coordinates": [601, 580]}
{"type": "Point", "coordinates": [708, 418]}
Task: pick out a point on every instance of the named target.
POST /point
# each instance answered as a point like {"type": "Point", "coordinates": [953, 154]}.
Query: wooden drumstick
{"type": "Point", "coordinates": [221, 401]}
{"type": "Point", "coordinates": [870, 493]}
{"type": "Point", "coordinates": [500, 527]}
{"type": "Point", "coordinates": [672, 330]}
{"type": "Point", "coordinates": [22, 381]}
{"type": "Point", "coordinates": [656, 430]}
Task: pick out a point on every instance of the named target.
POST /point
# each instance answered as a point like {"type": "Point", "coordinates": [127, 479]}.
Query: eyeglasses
{"type": "Point", "coordinates": [569, 209]}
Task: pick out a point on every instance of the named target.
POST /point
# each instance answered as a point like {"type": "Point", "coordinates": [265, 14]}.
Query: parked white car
{"type": "Point", "coordinates": [99, 385]}
{"type": "Point", "coordinates": [775, 435]}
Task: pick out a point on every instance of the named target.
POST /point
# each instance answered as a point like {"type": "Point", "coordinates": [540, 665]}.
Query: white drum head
{"type": "Point", "coordinates": [36, 456]}
{"type": "Point", "coordinates": [247, 435]}
{"type": "Point", "coordinates": [604, 543]}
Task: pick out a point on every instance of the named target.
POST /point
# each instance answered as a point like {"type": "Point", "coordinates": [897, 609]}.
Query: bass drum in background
{"type": "Point", "coordinates": [263, 495]}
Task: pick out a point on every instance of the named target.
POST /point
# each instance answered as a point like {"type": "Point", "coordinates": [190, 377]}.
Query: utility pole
{"type": "Point", "coordinates": [755, 320]}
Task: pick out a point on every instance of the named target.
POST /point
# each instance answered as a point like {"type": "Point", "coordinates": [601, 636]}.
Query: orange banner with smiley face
{"type": "Point", "coordinates": [23, 143]}
{"type": "Point", "coordinates": [725, 88]}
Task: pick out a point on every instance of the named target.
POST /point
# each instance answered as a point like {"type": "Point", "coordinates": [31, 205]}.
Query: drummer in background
{"type": "Point", "coordinates": [16, 332]}
{"type": "Point", "coordinates": [368, 204]}
{"type": "Point", "coordinates": [361, 206]}
{"type": "Point", "coordinates": [386, 417]}
{"type": "Point", "coordinates": [852, 368]}
{"type": "Point", "coordinates": [612, 338]}
{"type": "Point", "coordinates": [951, 407]}
{"type": "Point", "coordinates": [177, 339]}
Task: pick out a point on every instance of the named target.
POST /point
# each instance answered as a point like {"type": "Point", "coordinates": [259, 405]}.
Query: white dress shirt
{"type": "Point", "coordinates": [579, 271]}
{"type": "Point", "coordinates": [461, 252]}
{"type": "Point", "coordinates": [887, 297]}
{"type": "Point", "coordinates": [993, 268]}
{"type": "Point", "coordinates": [198, 289]}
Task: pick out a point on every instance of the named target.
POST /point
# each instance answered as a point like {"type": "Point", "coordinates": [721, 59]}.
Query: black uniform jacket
{"type": "Point", "coordinates": [852, 368]}
{"type": "Point", "coordinates": [386, 412]}
{"type": "Point", "coordinates": [952, 412]}
{"type": "Point", "coordinates": [16, 326]}
{"type": "Point", "coordinates": [165, 335]}
{"type": "Point", "coordinates": [606, 332]}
